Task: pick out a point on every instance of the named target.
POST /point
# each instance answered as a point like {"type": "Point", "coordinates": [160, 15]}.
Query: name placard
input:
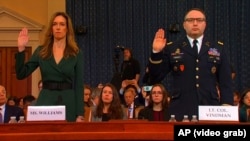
{"type": "Point", "coordinates": [45, 113]}
{"type": "Point", "coordinates": [219, 113]}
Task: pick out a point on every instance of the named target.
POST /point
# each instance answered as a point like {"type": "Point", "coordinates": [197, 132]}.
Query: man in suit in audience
{"type": "Point", "coordinates": [131, 106]}
{"type": "Point", "coordinates": [7, 111]}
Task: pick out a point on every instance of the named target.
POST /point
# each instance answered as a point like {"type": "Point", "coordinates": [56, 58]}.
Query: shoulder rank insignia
{"type": "Point", "coordinates": [169, 43]}
{"type": "Point", "coordinates": [220, 43]}
{"type": "Point", "coordinates": [177, 51]}
{"type": "Point", "coordinates": [207, 44]}
{"type": "Point", "coordinates": [184, 44]}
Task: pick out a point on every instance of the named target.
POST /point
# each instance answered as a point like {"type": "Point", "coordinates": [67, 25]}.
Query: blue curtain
{"type": "Point", "coordinates": [133, 23]}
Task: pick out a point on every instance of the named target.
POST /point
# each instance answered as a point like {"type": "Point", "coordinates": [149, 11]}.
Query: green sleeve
{"type": "Point", "coordinates": [79, 84]}
{"type": "Point", "coordinates": [23, 69]}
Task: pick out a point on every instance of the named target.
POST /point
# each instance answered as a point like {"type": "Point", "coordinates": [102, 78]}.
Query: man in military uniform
{"type": "Point", "coordinates": [197, 64]}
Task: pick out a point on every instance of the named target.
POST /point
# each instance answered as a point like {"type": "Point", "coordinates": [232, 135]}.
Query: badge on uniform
{"type": "Point", "coordinates": [213, 69]}
{"type": "Point", "coordinates": [213, 52]}
{"type": "Point", "coordinates": [207, 44]}
{"type": "Point", "coordinates": [177, 51]}
{"type": "Point", "coordinates": [175, 68]}
{"type": "Point", "coordinates": [176, 56]}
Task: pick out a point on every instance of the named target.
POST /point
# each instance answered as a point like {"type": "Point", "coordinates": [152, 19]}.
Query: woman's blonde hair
{"type": "Point", "coordinates": [71, 48]}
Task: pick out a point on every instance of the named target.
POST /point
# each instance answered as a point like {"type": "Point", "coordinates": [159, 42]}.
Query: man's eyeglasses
{"type": "Point", "coordinates": [198, 20]}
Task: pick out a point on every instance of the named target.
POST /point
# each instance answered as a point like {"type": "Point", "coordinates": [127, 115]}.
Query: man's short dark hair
{"type": "Point", "coordinates": [28, 98]}
{"type": "Point", "coordinates": [196, 9]}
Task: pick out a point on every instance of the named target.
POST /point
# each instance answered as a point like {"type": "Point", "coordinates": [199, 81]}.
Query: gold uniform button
{"type": "Point", "coordinates": [197, 68]}
{"type": "Point", "coordinates": [197, 77]}
{"type": "Point", "coordinates": [197, 60]}
{"type": "Point", "coordinates": [197, 85]}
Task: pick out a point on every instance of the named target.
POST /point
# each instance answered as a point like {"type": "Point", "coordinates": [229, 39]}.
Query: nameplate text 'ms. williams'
{"type": "Point", "coordinates": [45, 113]}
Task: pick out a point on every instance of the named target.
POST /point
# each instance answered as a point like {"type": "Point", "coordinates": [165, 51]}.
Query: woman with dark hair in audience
{"type": "Point", "coordinates": [12, 100]}
{"type": "Point", "coordinates": [244, 106]}
{"type": "Point", "coordinates": [86, 95]}
{"type": "Point", "coordinates": [157, 109]}
{"type": "Point", "coordinates": [20, 102]}
{"type": "Point", "coordinates": [109, 106]}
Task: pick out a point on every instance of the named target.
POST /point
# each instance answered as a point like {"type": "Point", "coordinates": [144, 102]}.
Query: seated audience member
{"type": "Point", "coordinates": [20, 102]}
{"type": "Point", "coordinates": [127, 83]}
{"type": "Point", "coordinates": [157, 109]}
{"type": "Point", "coordinates": [87, 90]}
{"type": "Point", "coordinates": [86, 96]}
{"type": "Point", "coordinates": [138, 96]}
{"type": "Point", "coordinates": [100, 86]}
{"type": "Point", "coordinates": [6, 111]}
{"type": "Point", "coordinates": [95, 96]}
{"type": "Point", "coordinates": [131, 107]}
{"type": "Point", "coordinates": [244, 106]}
{"type": "Point", "coordinates": [12, 100]}
{"type": "Point", "coordinates": [27, 101]}
{"type": "Point", "coordinates": [109, 106]}
{"type": "Point", "coordinates": [236, 98]}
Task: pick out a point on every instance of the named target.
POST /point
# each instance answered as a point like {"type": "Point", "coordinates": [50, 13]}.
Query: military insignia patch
{"type": "Point", "coordinates": [182, 67]}
{"type": "Point", "coordinates": [175, 68]}
{"type": "Point", "coordinates": [213, 69]}
{"type": "Point", "coordinates": [207, 44]}
{"type": "Point", "coordinates": [220, 43]}
{"type": "Point", "coordinates": [184, 44]}
{"type": "Point", "coordinates": [177, 55]}
{"type": "Point", "coordinates": [177, 51]}
{"type": "Point", "coordinates": [213, 52]}
{"type": "Point", "coordinates": [169, 43]}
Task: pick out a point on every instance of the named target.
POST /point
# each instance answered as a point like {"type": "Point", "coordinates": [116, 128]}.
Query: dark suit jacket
{"type": "Point", "coordinates": [12, 111]}
{"type": "Point", "coordinates": [137, 108]}
{"type": "Point", "coordinates": [194, 78]}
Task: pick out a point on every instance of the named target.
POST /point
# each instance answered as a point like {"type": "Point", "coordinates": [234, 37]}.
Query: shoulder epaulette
{"type": "Point", "coordinates": [169, 43]}
{"type": "Point", "coordinates": [220, 43]}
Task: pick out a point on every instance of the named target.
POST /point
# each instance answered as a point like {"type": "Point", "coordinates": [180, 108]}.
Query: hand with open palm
{"type": "Point", "coordinates": [159, 40]}
{"type": "Point", "coordinates": [23, 39]}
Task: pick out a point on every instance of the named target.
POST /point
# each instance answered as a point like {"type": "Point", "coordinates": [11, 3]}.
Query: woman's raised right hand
{"type": "Point", "coordinates": [23, 39]}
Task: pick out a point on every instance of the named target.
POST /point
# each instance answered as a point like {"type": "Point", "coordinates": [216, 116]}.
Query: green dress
{"type": "Point", "coordinates": [69, 70]}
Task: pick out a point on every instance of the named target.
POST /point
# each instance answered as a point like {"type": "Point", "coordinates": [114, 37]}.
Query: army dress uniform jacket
{"type": "Point", "coordinates": [194, 77]}
{"type": "Point", "coordinates": [68, 70]}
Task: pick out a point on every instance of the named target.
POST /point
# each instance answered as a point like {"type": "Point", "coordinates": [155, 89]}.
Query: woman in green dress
{"type": "Point", "coordinates": [61, 66]}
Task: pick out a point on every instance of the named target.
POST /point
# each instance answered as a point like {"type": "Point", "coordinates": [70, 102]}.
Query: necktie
{"type": "Point", "coordinates": [1, 116]}
{"type": "Point", "coordinates": [195, 47]}
{"type": "Point", "coordinates": [129, 111]}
